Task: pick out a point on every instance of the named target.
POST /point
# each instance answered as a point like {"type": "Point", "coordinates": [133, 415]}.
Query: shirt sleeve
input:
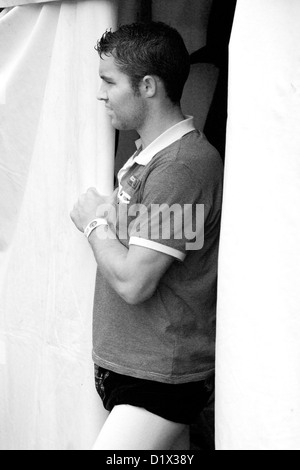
{"type": "Point", "coordinates": [170, 218]}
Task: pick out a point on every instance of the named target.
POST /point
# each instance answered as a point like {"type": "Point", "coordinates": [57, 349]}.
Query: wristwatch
{"type": "Point", "coordinates": [93, 225]}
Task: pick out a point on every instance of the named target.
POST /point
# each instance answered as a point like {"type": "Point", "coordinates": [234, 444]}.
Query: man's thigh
{"type": "Point", "coordinates": [132, 428]}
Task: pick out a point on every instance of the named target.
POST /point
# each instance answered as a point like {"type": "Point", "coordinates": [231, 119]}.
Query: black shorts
{"type": "Point", "coordinates": [177, 403]}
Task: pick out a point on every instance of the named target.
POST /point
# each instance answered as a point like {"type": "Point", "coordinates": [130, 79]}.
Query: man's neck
{"type": "Point", "coordinates": [158, 123]}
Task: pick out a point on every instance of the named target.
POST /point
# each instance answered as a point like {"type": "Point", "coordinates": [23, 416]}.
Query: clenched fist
{"type": "Point", "coordinates": [89, 206]}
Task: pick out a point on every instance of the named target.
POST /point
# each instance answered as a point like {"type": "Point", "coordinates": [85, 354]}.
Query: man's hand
{"type": "Point", "coordinates": [89, 206]}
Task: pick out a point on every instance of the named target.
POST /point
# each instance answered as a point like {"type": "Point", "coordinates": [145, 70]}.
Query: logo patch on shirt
{"type": "Point", "coordinates": [134, 182]}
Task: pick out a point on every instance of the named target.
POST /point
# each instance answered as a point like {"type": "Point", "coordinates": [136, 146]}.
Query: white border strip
{"type": "Point", "coordinates": [157, 247]}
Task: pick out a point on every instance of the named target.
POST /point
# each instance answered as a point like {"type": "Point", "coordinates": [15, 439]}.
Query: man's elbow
{"type": "Point", "coordinates": [136, 294]}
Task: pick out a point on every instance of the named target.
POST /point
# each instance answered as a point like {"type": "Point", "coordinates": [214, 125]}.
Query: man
{"type": "Point", "coordinates": [155, 297]}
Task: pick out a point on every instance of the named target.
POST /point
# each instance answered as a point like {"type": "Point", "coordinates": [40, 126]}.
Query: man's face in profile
{"type": "Point", "coordinates": [126, 108]}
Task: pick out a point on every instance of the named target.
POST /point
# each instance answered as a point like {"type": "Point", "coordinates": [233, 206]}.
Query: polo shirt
{"type": "Point", "coordinates": [169, 338]}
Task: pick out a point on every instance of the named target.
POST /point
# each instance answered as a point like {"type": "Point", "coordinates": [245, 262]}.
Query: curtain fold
{"type": "Point", "coordinates": [14, 3]}
{"type": "Point", "coordinates": [55, 142]}
{"type": "Point", "coordinates": [258, 352]}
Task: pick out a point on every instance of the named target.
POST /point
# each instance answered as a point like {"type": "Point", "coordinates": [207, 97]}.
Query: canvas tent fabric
{"type": "Point", "coordinates": [258, 352]}
{"type": "Point", "coordinates": [55, 142]}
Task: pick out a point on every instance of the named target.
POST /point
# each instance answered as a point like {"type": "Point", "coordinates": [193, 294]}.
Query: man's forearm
{"type": "Point", "coordinates": [112, 260]}
{"type": "Point", "coordinates": [133, 273]}
{"type": "Point", "coordinates": [121, 267]}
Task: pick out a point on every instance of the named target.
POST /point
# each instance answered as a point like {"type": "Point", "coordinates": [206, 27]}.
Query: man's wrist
{"type": "Point", "coordinates": [94, 224]}
{"type": "Point", "coordinates": [101, 234]}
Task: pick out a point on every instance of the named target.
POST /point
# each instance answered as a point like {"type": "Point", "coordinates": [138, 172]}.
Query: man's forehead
{"type": "Point", "coordinates": [107, 65]}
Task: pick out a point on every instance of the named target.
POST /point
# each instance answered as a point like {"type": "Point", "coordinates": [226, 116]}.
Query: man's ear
{"type": "Point", "coordinates": [149, 86]}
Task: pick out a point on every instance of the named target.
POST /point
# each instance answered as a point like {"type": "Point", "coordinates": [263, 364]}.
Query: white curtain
{"type": "Point", "coordinates": [55, 142]}
{"type": "Point", "coordinates": [258, 351]}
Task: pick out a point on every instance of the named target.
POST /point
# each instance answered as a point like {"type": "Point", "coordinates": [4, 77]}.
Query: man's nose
{"type": "Point", "coordinates": [101, 94]}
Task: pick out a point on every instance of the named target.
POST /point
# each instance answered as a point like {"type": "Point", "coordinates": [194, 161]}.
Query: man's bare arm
{"type": "Point", "coordinates": [135, 273]}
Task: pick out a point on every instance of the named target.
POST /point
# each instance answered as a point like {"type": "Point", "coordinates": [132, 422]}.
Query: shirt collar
{"type": "Point", "coordinates": [164, 140]}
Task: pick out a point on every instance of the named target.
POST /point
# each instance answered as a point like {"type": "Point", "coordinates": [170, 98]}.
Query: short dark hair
{"type": "Point", "coordinates": [153, 48]}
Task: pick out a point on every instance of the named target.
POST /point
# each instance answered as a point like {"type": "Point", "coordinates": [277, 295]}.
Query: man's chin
{"type": "Point", "coordinates": [115, 123]}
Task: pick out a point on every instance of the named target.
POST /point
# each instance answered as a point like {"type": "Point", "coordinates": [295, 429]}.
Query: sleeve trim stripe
{"type": "Point", "coordinates": [157, 247]}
